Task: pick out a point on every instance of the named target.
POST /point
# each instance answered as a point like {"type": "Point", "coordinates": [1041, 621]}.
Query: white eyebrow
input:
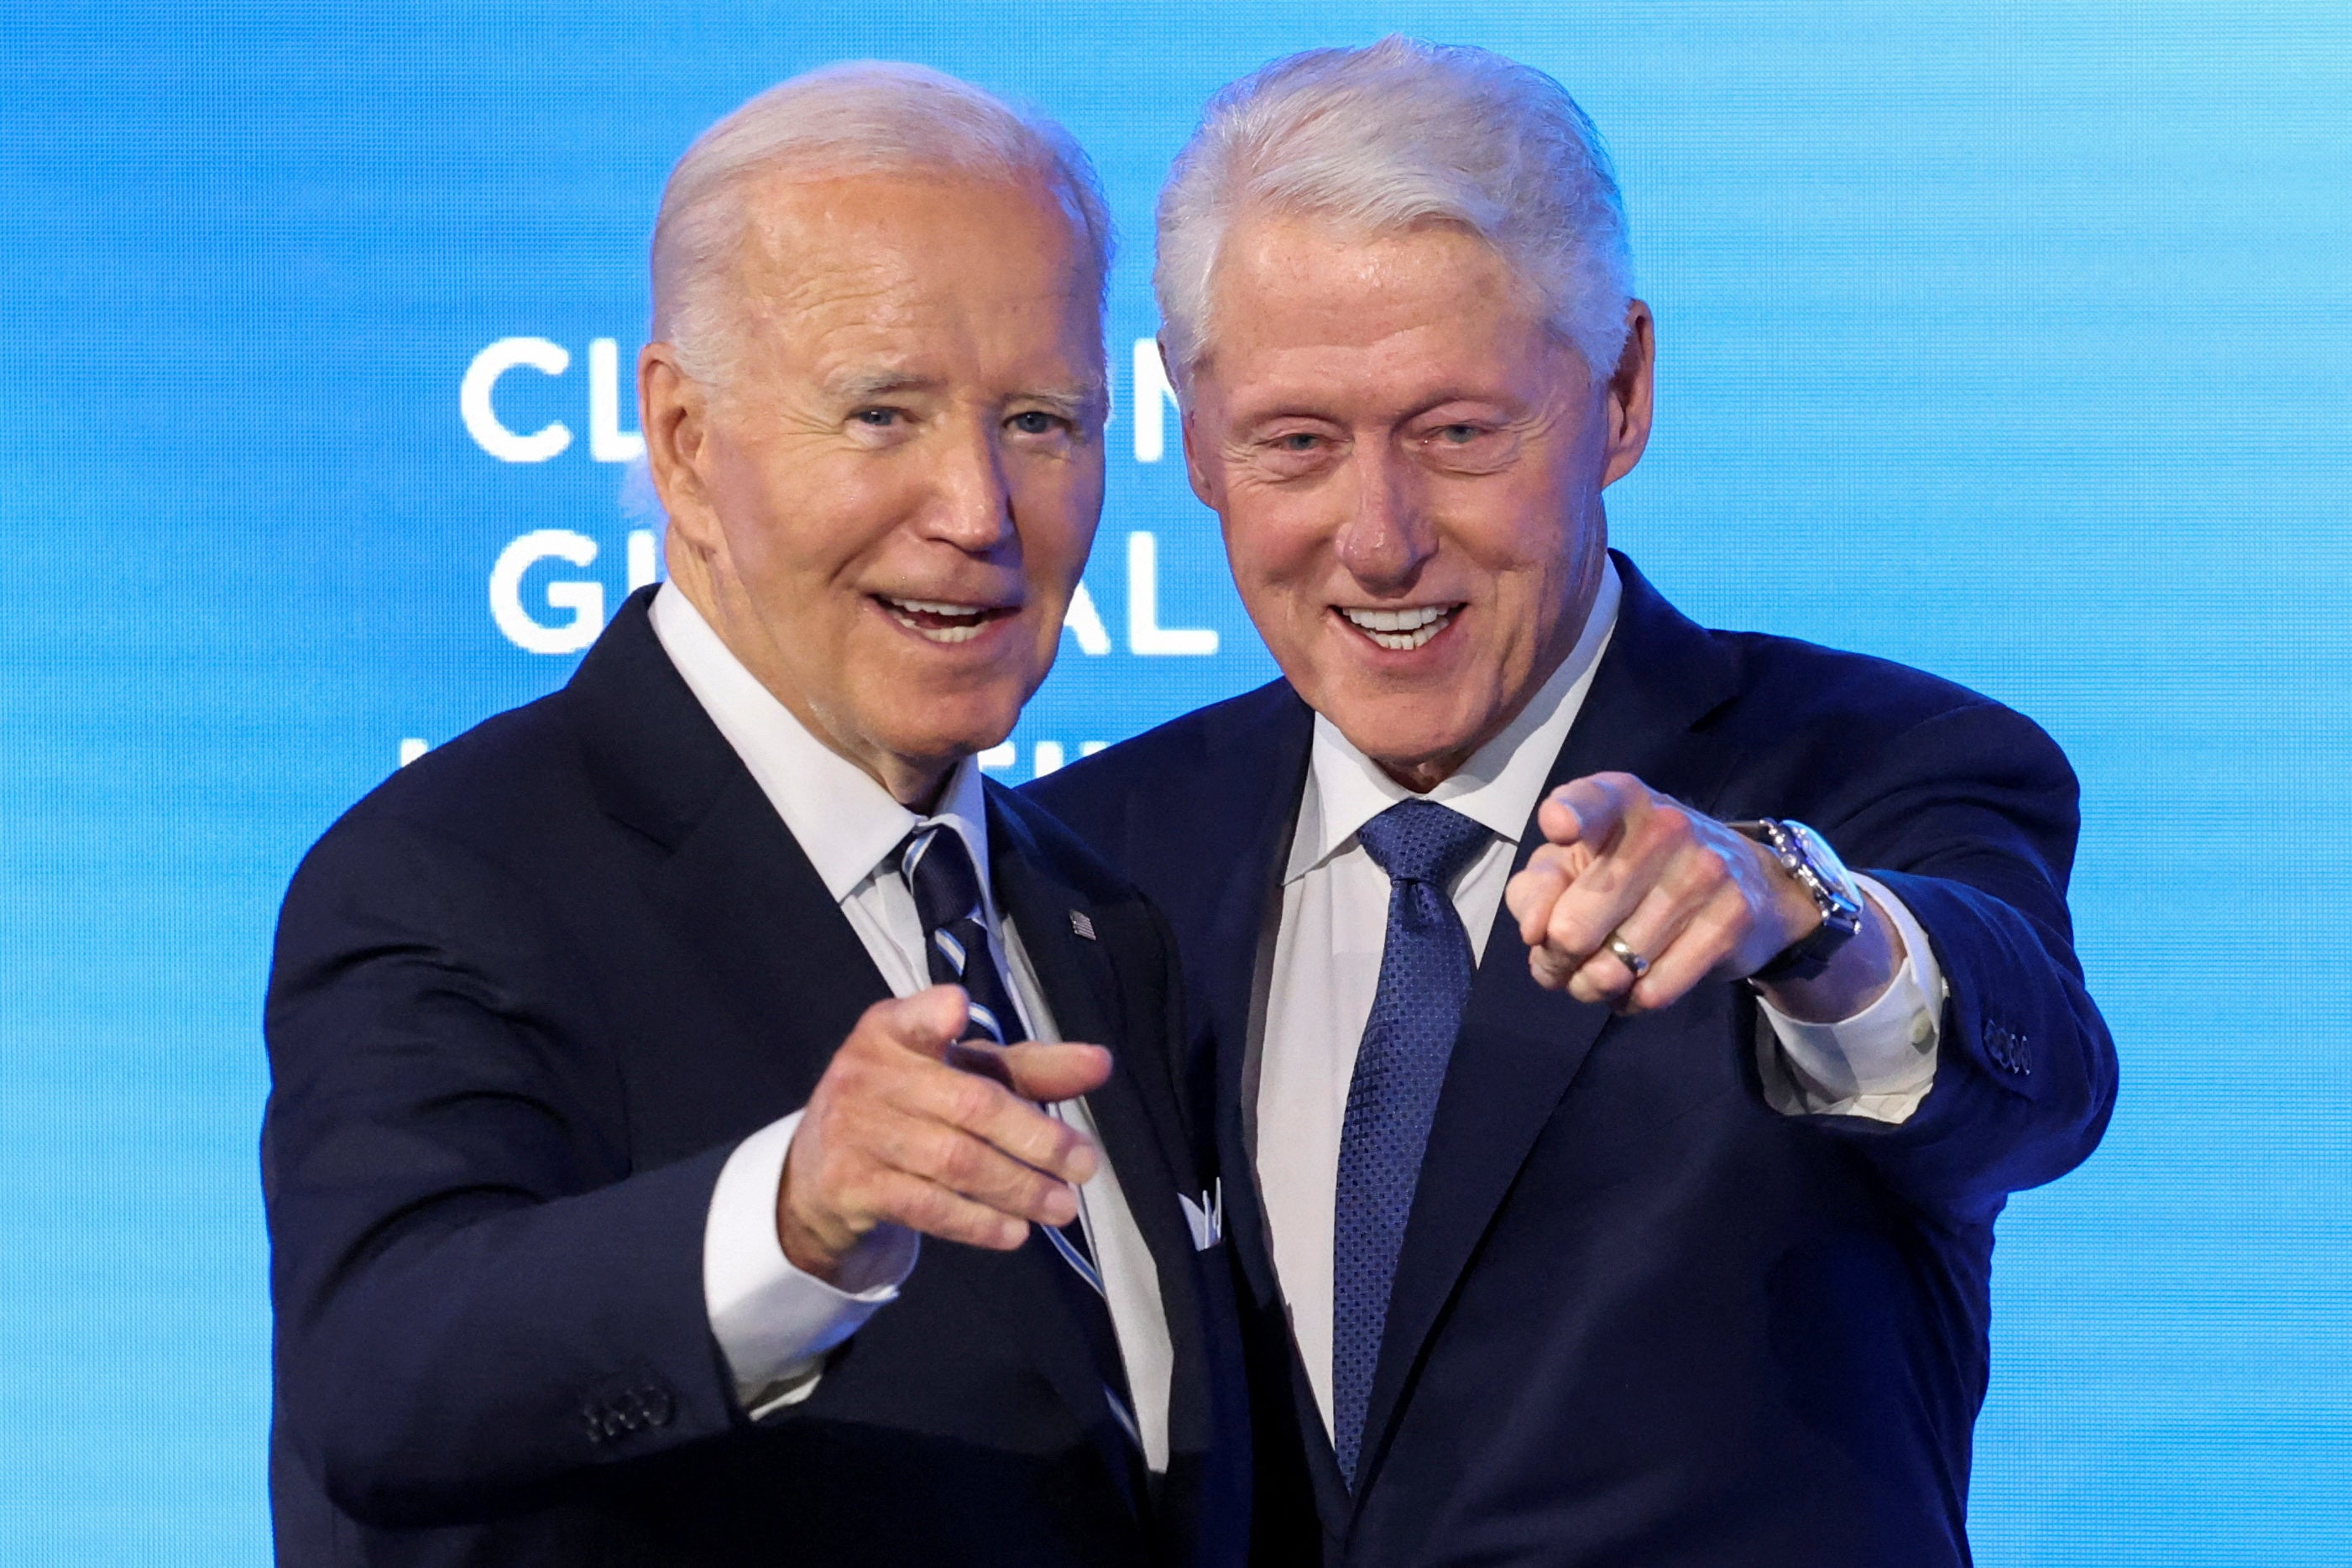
{"type": "Point", "coordinates": [862, 386]}
{"type": "Point", "coordinates": [865, 386]}
{"type": "Point", "coordinates": [1074, 401]}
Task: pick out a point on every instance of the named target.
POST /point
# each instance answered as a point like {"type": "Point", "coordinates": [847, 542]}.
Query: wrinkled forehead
{"type": "Point", "coordinates": [870, 261]}
{"type": "Point", "coordinates": [1287, 282]}
{"type": "Point", "coordinates": [908, 228]}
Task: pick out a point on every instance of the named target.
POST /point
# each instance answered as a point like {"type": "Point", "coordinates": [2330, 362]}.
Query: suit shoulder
{"type": "Point", "coordinates": [485, 794]}
{"type": "Point", "coordinates": [1870, 752]}
{"type": "Point", "coordinates": [1791, 686]}
{"type": "Point", "coordinates": [1167, 763]}
{"type": "Point", "coordinates": [1060, 850]}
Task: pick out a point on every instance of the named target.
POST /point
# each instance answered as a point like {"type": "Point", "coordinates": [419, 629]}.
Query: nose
{"type": "Point", "coordinates": [1388, 538]}
{"type": "Point", "coordinates": [971, 501]}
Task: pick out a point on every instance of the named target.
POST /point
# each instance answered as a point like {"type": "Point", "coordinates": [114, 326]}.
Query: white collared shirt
{"type": "Point", "coordinates": [1326, 968]}
{"type": "Point", "coordinates": [773, 1321]}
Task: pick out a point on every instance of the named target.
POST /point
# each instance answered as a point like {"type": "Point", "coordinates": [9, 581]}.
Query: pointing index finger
{"type": "Point", "coordinates": [1586, 811]}
{"type": "Point", "coordinates": [929, 1023]}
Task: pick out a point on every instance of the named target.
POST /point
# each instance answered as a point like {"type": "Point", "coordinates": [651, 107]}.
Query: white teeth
{"type": "Point", "coordinates": [1397, 620]}
{"type": "Point", "coordinates": [1401, 629]}
{"type": "Point", "coordinates": [973, 616]}
{"type": "Point", "coordinates": [942, 634]}
{"type": "Point", "coordinates": [934, 606]}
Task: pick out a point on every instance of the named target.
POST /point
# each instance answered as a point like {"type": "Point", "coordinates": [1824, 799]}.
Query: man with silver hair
{"type": "Point", "coordinates": [1613, 1171]}
{"type": "Point", "coordinates": [625, 1049]}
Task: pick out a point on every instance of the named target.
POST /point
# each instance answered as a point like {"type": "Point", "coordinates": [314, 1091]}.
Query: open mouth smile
{"type": "Point", "coordinates": [1400, 631]}
{"type": "Point", "coordinates": [939, 620]}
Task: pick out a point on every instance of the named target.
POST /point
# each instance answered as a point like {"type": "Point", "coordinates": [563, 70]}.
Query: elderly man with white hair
{"type": "Point", "coordinates": [1613, 1172]}
{"type": "Point", "coordinates": [679, 1150]}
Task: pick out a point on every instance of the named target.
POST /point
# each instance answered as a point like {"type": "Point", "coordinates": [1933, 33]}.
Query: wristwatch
{"type": "Point", "coordinates": [1806, 855]}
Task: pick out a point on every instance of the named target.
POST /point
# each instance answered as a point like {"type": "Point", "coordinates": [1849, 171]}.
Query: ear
{"type": "Point", "coordinates": [1204, 485]}
{"type": "Point", "coordinates": [673, 411]}
{"type": "Point", "coordinates": [1630, 390]}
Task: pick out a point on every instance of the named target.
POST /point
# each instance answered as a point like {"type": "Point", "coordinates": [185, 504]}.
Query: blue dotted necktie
{"type": "Point", "coordinates": [939, 873]}
{"type": "Point", "coordinates": [1425, 970]}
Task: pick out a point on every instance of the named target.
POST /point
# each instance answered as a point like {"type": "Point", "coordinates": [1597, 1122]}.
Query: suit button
{"type": "Point", "coordinates": [2007, 1048]}
{"type": "Point", "coordinates": [659, 1407]}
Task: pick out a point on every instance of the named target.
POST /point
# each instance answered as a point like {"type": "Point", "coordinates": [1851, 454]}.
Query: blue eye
{"type": "Point", "coordinates": [1035, 422]}
{"type": "Point", "coordinates": [879, 418]}
{"type": "Point", "coordinates": [1459, 434]}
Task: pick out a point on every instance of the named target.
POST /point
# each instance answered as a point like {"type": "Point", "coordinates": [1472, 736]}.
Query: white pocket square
{"type": "Point", "coordinates": [1207, 1217]}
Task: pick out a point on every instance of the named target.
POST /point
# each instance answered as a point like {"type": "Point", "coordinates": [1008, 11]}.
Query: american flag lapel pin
{"type": "Point", "coordinates": [1082, 924]}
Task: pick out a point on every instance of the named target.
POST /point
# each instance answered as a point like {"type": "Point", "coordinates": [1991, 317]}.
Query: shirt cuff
{"type": "Point", "coordinates": [1878, 1064]}
{"type": "Point", "coordinates": [772, 1321]}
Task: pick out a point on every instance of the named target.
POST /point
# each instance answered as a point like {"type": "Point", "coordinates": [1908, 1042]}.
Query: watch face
{"type": "Point", "coordinates": [1824, 859]}
{"type": "Point", "coordinates": [1842, 908]}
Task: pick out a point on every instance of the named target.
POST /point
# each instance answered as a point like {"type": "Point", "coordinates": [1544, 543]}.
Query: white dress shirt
{"type": "Point", "coordinates": [774, 1322]}
{"type": "Point", "coordinates": [1326, 968]}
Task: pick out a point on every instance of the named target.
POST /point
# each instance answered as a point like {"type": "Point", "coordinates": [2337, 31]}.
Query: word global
{"type": "Point", "coordinates": [559, 614]}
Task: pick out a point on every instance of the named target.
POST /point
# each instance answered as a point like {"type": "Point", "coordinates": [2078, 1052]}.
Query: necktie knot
{"type": "Point", "coordinates": [939, 873]}
{"type": "Point", "coordinates": [1420, 841]}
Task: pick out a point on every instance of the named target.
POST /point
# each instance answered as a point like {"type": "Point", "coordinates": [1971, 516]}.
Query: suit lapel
{"type": "Point", "coordinates": [1269, 774]}
{"type": "Point", "coordinates": [746, 899]}
{"type": "Point", "coordinates": [1135, 1119]}
{"type": "Point", "coordinates": [1520, 1046]}
{"type": "Point", "coordinates": [1259, 769]}
{"type": "Point", "coordinates": [740, 894]}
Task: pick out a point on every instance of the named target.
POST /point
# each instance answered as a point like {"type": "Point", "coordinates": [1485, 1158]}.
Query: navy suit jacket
{"type": "Point", "coordinates": [528, 996]}
{"type": "Point", "coordinates": [1639, 1317]}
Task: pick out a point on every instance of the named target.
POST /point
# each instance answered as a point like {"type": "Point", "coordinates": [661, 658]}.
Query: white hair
{"type": "Point", "coordinates": [865, 117]}
{"type": "Point", "coordinates": [1393, 136]}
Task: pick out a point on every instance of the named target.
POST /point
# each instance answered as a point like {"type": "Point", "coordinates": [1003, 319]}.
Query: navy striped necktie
{"type": "Point", "coordinates": [1425, 971]}
{"type": "Point", "coordinates": [939, 872]}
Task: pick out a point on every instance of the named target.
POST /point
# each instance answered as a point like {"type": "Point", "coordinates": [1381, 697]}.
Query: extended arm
{"type": "Point", "coordinates": [1968, 820]}
{"type": "Point", "coordinates": [478, 1294]}
{"type": "Point", "coordinates": [1972, 825]}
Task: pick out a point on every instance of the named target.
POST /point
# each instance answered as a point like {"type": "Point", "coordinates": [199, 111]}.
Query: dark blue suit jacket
{"type": "Point", "coordinates": [1641, 1318]}
{"type": "Point", "coordinates": [528, 996]}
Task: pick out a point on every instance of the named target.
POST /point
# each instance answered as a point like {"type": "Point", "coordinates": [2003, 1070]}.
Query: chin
{"type": "Point", "coordinates": [1401, 748]}
{"type": "Point", "coordinates": [951, 732]}
{"type": "Point", "coordinates": [1396, 730]}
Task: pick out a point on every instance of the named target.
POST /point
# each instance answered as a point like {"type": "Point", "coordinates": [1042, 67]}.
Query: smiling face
{"type": "Point", "coordinates": [1408, 462]}
{"type": "Point", "coordinates": [885, 508]}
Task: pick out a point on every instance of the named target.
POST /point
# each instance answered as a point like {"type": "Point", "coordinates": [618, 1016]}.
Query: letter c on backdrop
{"type": "Point", "coordinates": [482, 421]}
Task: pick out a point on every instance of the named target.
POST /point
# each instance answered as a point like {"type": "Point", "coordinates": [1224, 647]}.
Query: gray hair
{"type": "Point", "coordinates": [1400, 133]}
{"type": "Point", "coordinates": [865, 117]}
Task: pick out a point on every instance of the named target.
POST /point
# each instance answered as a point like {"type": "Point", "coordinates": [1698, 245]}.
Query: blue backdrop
{"type": "Point", "coordinates": [2023, 332]}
